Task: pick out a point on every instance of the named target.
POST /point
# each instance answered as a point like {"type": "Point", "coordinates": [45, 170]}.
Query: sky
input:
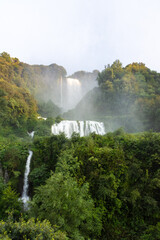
{"type": "Point", "coordinates": [81, 34]}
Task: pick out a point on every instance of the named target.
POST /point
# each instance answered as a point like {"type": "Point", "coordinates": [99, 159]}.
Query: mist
{"type": "Point", "coordinates": [116, 112]}
{"type": "Point", "coordinates": [65, 91]}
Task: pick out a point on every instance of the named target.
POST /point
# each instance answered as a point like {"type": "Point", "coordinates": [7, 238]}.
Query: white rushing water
{"type": "Point", "coordinates": [31, 134]}
{"type": "Point", "coordinates": [70, 93]}
{"type": "Point", "coordinates": [84, 128]}
{"type": "Point", "coordinates": [25, 197]}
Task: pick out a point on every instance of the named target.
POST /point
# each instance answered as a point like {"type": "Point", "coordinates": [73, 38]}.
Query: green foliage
{"type": "Point", "coordinates": [65, 204]}
{"type": "Point", "coordinates": [153, 232]}
{"type": "Point", "coordinates": [48, 109]}
{"type": "Point", "coordinates": [9, 203]}
{"type": "Point", "coordinates": [13, 155]}
{"type": "Point", "coordinates": [47, 150]}
{"type": "Point", "coordinates": [43, 127]}
{"type": "Point", "coordinates": [103, 187]}
{"type": "Point", "coordinates": [122, 173]}
{"type": "Point", "coordinates": [39, 175]}
{"type": "Point", "coordinates": [31, 229]}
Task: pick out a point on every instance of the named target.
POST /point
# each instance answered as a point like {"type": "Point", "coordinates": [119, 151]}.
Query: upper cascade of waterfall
{"type": "Point", "coordinates": [84, 128]}
{"type": "Point", "coordinates": [70, 92]}
{"type": "Point", "coordinates": [73, 82]}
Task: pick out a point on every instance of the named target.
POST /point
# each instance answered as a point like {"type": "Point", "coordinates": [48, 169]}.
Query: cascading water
{"type": "Point", "coordinates": [31, 134]}
{"type": "Point", "coordinates": [25, 197]}
{"type": "Point", "coordinates": [74, 93]}
{"type": "Point", "coordinates": [70, 93]}
{"type": "Point", "coordinates": [84, 128]}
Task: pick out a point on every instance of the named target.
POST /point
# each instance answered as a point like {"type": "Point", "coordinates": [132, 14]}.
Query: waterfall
{"type": "Point", "coordinates": [70, 93]}
{"type": "Point", "coordinates": [31, 134]}
{"type": "Point", "coordinates": [84, 128]}
{"type": "Point", "coordinates": [25, 197]}
{"type": "Point", "coordinates": [73, 93]}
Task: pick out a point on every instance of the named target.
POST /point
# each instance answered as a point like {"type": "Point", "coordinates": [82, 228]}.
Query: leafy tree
{"type": "Point", "coordinates": [9, 203]}
{"type": "Point", "coordinates": [68, 206]}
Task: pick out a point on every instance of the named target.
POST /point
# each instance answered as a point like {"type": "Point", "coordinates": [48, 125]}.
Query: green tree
{"type": "Point", "coordinates": [68, 206]}
{"type": "Point", "coordinates": [9, 202]}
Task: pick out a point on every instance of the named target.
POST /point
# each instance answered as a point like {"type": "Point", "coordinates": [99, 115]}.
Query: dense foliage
{"type": "Point", "coordinates": [31, 229]}
{"type": "Point", "coordinates": [117, 174]}
{"type": "Point", "coordinates": [100, 187]}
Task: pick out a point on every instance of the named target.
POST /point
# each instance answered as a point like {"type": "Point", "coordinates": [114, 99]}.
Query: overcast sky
{"type": "Point", "coordinates": [81, 34]}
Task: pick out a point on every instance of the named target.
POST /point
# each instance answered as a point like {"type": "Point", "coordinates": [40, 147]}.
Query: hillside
{"type": "Point", "coordinates": [16, 103]}
{"type": "Point", "coordinates": [21, 93]}
{"type": "Point", "coordinates": [127, 96]}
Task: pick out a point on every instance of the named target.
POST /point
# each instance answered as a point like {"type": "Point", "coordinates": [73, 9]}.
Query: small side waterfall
{"type": "Point", "coordinates": [84, 128]}
{"type": "Point", "coordinates": [25, 197]}
{"type": "Point", "coordinates": [31, 134]}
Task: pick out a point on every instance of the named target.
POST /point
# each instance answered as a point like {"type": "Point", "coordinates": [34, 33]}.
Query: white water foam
{"type": "Point", "coordinates": [25, 197]}
{"type": "Point", "coordinates": [84, 128]}
{"type": "Point", "coordinates": [31, 134]}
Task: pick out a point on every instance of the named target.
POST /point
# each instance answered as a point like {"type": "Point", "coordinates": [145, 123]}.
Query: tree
{"type": "Point", "coordinates": [68, 206]}
{"type": "Point", "coordinates": [9, 203]}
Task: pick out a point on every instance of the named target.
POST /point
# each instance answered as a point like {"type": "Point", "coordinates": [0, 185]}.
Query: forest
{"type": "Point", "coordinates": [92, 187]}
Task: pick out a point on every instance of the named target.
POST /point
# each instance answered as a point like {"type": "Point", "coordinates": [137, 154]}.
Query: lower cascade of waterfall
{"type": "Point", "coordinates": [25, 197]}
{"type": "Point", "coordinates": [84, 128]}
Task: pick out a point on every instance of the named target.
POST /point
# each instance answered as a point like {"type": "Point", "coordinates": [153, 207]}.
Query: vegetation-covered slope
{"type": "Point", "coordinates": [128, 97]}
{"type": "Point", "coordinates": [20, 85]}
{"type": "Point", "coordinates": [16, 103]}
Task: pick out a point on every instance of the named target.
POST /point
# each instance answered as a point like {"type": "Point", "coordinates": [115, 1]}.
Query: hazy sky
{"type": "Point", "coordinates": [81, 34]}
